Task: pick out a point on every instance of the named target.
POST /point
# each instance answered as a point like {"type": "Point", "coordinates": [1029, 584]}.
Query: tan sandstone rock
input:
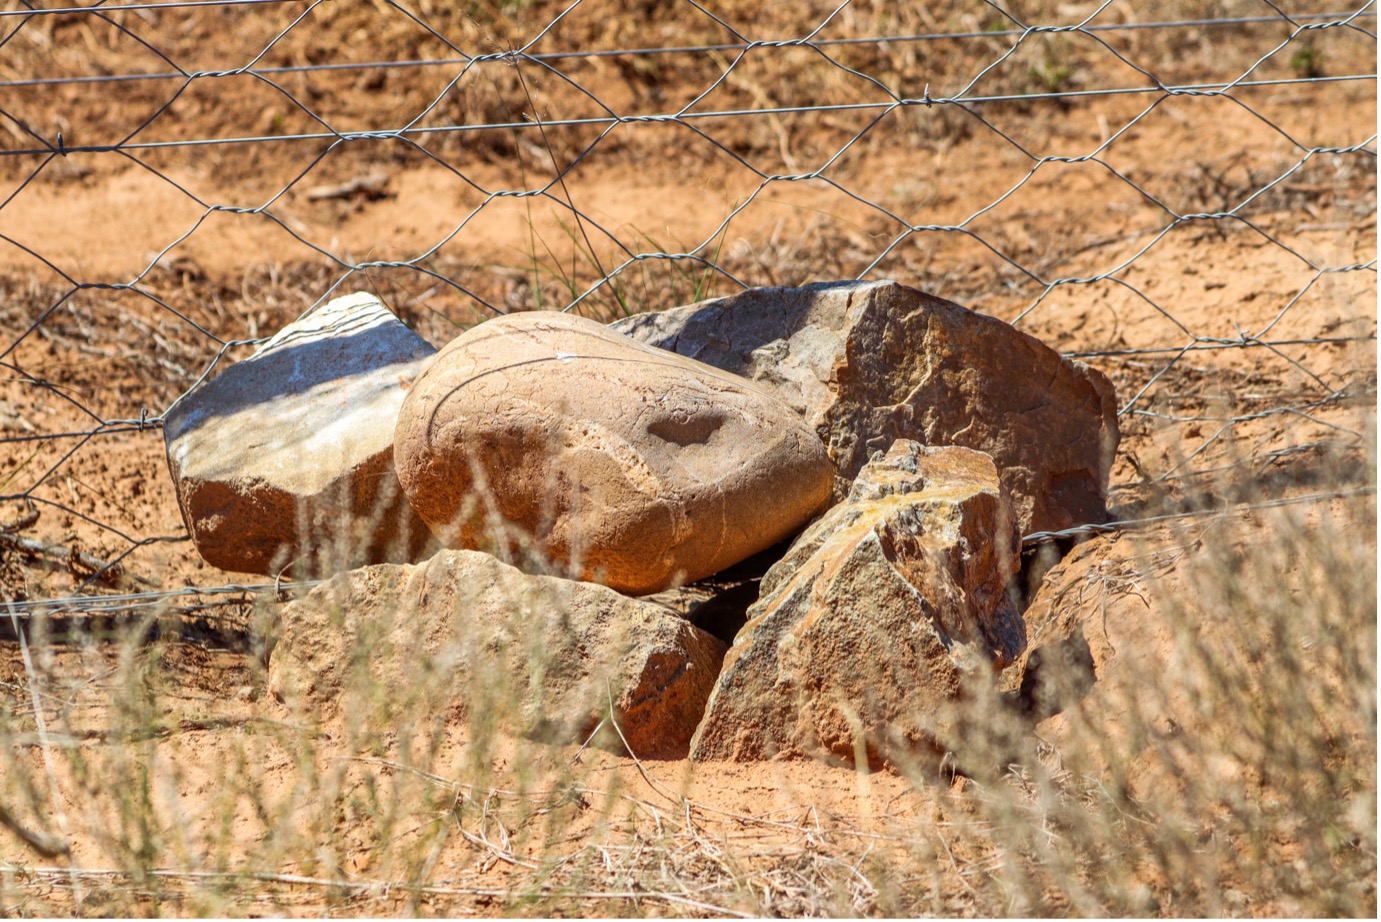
{"type": "Point", "coordinates": [292, 448]}
{"type": "Point", "coordinates": [466, 631]}
{"type": "Point", "coordinates": [870, 622]}
{"type": "Point", "coordinates": [628, 465]}
{"type": "Point", "coordinates": [866, 363]}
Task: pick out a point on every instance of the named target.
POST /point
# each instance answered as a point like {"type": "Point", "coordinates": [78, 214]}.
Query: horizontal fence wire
{"type": "Point", "coordinates": [147, 422]}
{"type": "Point", "coordinates": [524, 106]}
{"type": "Point", "coordinates": [31, 10]}
{"type": "Point", "coordinates": [669, 50]}
{"type": "Point", "coordinates": [879, 107]}
{"type": "Point", "coordinates": [205, 600]}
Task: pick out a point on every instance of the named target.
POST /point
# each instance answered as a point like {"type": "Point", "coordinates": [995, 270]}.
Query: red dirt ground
{"type": "Point", "coordinates": [1209, 427]}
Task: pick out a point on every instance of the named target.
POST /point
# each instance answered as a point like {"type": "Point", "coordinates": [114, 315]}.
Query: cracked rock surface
{"type": "Point", "coordinates": [870, 622]}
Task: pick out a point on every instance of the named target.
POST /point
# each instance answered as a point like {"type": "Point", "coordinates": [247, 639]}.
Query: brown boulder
{"type": "Point", "coordinates": [467, 631]}
{"type": "Point", "coordinates": [867, 363]}
{"type": "Point", "coordinates": [869, 623]}
{"type": "Point", "coordinates": [291, 449]}
{"type": "Point", "coordinates": [623, 463]}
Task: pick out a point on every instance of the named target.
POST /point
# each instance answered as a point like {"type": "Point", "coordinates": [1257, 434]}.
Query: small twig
{"type": "Point", "coordinates": [156, 731]}
{"type": "Point", "coordinates": [955, 864]}
{"type": "Point", "coordinates": [548, 890]}
{"type": "Point", "coordinates": [46, 845]}
{"type": "Point", "coordinates": [59, 814]}
{"type": "Point", "coordinates": [73, 558]}
{"type": "Point", "coordinates": [499, 852]}
{"type": "Point", "coordinates": [397, 766]}
{"type": "Point", "coordinates": [585, 745]}
{"type": "Point", "coordinates": [371, 187]}
{"type": "Point", "coordinates": [651, 782]}
{"type": "Point", "coordinates": [27, 519]}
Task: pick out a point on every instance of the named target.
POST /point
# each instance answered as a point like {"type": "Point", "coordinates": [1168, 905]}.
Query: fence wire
{"type": "Point", "coordinates": [205, 601]}
{"type": "Point", "coordinates": [1186, 202]}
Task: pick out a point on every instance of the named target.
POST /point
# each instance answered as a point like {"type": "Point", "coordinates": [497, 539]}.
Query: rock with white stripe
{"type": "Point", "coordinates": [287, 456]}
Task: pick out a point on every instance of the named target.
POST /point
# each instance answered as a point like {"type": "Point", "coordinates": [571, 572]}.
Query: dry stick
{"type": "Point", "coordinates": [502, 850]}
{"type": "Point", "coordinates": [955, 864]}
{"type": "Point", "coordinates": [157, 731]}
{"type": "Point", "coordinates": [585, 745]}
{"type": "Point", "coordinates": [41, 725]}
{"type": "Point", "coordinates": [499, 852]}
{"type": "Point", "coordinates": [59, 699]}
{"type": "Point", "coordinates": [26, 520]}
{"type": "Point", "coordinates": [680, 799]}
{"type": "Point", "coordinates": [70, 557]}
{"type": "Point", "coordinates": [712, 851]}
{"type": "Point", "coordinates": [685, 802]}
{"type": "Point", "coordinates": [434, 855]}
{"type": "Point", "coordinates": [46, 845]}
{"type": "Point", "coordinates": [470, 789]}
{"type": "Point", "coordinates": [384, 886]}
{"type": "Point", "coordinates": [398, 766]}
{"type": "Point", "coordinates": [372, 186]}
{"type": "Point", "coordinates": [651, 782]}
{"type": "Point", "coordinates": [707, 848]}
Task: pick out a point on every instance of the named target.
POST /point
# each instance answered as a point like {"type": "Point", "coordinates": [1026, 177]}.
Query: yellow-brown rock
{"type": "Point", "coordinates": [478, 638]}
{"type": "Point", "coordinates": [624, 464]}
{"type": "Point", "coordinates": [872, 619]}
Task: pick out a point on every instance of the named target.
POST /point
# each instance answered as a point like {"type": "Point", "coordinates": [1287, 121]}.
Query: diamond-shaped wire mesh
{"type": "Point", "coordinates": [1182, 194]}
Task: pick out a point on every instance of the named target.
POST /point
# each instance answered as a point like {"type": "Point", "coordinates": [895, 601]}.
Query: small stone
{"type": "Point", "coordinates": [470, 633]}
{"type": "Point", "coordinates": [869, 624]}
{"type": "Point", "coordinates": [622, 463]}
{"type": "Point", "coordinates": [291, 449]}
{"type": "Point", "coordinates": [866, 363]}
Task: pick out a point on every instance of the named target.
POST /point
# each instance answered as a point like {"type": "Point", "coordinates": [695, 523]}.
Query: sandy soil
{"type": "Point", "coordinates": [211, 248]}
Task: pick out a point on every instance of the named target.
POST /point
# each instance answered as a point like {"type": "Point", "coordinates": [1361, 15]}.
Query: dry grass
{"type": "Point", "coordinates": [1224, 764]}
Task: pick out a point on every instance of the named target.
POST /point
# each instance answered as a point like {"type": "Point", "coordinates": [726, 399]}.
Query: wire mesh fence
{"type": "Point", "coordinates": [1182, 195]}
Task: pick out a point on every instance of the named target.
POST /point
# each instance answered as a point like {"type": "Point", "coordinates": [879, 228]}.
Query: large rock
{"type": "Point", "coordinates": [867, 363]}
{"type": "Point", "coordinates": [465, 631]}
{"type": "Point", "coordinates": [870, 622]}
{"type": "Point", "coordinates": [626, 464]}
{"type": "Point", "coordinates": [292, 448]}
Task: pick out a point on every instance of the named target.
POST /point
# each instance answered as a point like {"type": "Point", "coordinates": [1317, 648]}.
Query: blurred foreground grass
{"type": "Point", "coordinates": [1223, 764]}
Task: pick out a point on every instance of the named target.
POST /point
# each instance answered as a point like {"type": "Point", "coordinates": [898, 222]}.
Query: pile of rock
{"type": "Point", "coordinates": [595, 463]}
